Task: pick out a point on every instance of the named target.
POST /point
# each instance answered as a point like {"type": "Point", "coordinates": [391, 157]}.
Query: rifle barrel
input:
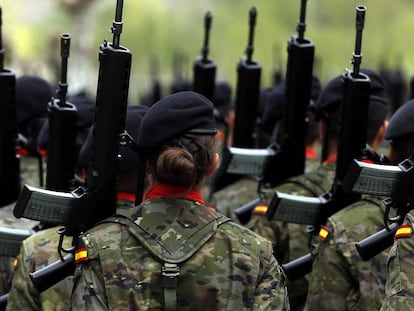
{"type": "Point", "coordinates": [359, 25]}
{"type": "Point", "coordinates": [252, 24]}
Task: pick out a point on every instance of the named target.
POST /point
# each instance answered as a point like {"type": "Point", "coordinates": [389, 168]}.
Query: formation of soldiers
{"type": "Point", "coordinates": [207, 198]}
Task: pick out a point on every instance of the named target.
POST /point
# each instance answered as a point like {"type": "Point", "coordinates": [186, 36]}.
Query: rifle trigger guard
{"type": "Point", "coordinates": [387, 219]}
{"type": "Point", "coordinates": [62, 232]}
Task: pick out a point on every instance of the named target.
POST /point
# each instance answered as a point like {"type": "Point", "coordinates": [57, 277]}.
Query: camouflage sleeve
{"type": "Point", "coordinates": [23, 294]}
{"type": "Point", "coordinates": [89, 289]}
{"type": "Point", "coordinates": [329, 281]}
{"type": "Point", "coordinates": [271, 292]}
{"type": "Point", "coordinates": [399, 288]}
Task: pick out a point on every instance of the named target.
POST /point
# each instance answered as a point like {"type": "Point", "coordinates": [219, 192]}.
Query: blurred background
{"type": "Point", "coordinates": [166, 36]}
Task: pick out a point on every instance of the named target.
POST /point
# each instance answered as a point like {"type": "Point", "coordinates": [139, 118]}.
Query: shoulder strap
{"type": "Point", "coordinates": [172, 255]}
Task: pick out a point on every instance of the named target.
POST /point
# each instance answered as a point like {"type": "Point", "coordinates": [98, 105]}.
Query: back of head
{"type": "Point", "coordinates": [329, 104]}
{"type": "Point", "coordinates": [32, 96]}
{"type": "Point", "coordinates": [84, 119]}
{"type": "Point", "coordinates": [127, 157]}
{"type": "Point", "coordinates": [400, 131]}
{"type": "Point", "coordinates": [177, 135]}
{"type": "Point", "coordinates": [222, 97]}
{"type": "Point", "coordinates": [275, 105]}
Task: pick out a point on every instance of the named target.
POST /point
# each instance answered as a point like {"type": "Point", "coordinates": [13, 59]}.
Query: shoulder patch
{"type": "Point", "coordinates": [260, 209]}
{"type": "Point", "coordinates": [404, 231]}
{"type": "Point", "coordinates": [323, 233]}
{"type": "Point", "coordinates": [15, 262]}
{"type": "Point", "coordinates": [81, 255]}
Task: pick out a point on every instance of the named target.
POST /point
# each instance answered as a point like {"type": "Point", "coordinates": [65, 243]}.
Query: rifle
{"type": "Point", "coordinates": [246, 103]}
{"type": "Point", "coordinates": [9, 162]}
{"type": "Point", "coordinates": [287, 158]}
{"type": "Point", "coordinates": [351, 144]}
{"type": "Point", "coordinates": [204, 69]}
{"type": "Point", "coordinates": [80, 209]}
{"type": "Point", "coordinates": [62, 130]}
{"type": "Point", "coordinates": [393, 183]}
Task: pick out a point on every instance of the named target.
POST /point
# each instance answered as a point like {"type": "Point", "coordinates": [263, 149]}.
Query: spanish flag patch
{"type": "Point", "coordinates": [323, 233]}
{"type": "Point", "coordinates": [404, 231]}
{"type": "Point", "coordinates": [260, 209]}
{"type": "Point", "coordinates": [81, 255]}
{"type": "Point", "coordinates": [15, 262]}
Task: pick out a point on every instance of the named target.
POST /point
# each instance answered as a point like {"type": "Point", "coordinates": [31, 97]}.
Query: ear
{"type": "Point", "coordinates": [213, 165]}
{"type": "Point", "coordinates": [380, 135]}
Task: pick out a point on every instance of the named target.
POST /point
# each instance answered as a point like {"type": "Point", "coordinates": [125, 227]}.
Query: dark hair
{"type": "Point", "coordinates": [404, 148]}
{"type": "Point", "coordinates": [184, 162]}
{"type": "Point", "coordinates": [377, 113]}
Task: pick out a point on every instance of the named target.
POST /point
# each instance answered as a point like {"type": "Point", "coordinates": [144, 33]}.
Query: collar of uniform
{"type": "Point", "coordinates": [126, 196]}
{"type": "Point", "coordinates": [310, 154]}
{"type": "Point", "coordinates": [163, 190]}
{"type": "Point", "coordinates": [330, 160]}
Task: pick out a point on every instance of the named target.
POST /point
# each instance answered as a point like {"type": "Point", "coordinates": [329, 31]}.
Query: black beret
{"type": "Point", "coordinates": [175, 115]}
{"type": "Point", "coordinates": [275, 103]}
{"type": "Point", "coordinates": [331, 95]}
{"type": "Point", "coordinates": [128, 157]}
{"type": "Point", "coordinates": [401, 125]}
{"type": "Point", "coordinates": [273, 109]}
{"type": "Point", "coordinates": [222, 94]}
{"type": "Point", "coordinates": [32, 96]}
{"type": "Point", "coordinates": [84, 118]}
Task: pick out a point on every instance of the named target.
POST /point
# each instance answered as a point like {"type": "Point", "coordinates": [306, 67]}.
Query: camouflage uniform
{"type": "Point", "coordinates": [29, 171]}
{"type": "Point", "coordinates": [38, 251]}
{"type": "Point", "coordinates": [232, 268]}
{"type": "Point", "coordinates": [340, 278]}
{"type": "Point", "coordinates": [293, 238]}
{"type": "Point", "coordinates": [7, 220]}
{"type": "Point", "coordinates": [399, 289]}
{"type": "Point", "coordinates": [235, 195]}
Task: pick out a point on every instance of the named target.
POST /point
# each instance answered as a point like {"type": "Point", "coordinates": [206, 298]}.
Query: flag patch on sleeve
{"type": "Point", "coordinates": [323, 233]}
{"type": "Point", "coordinates": [81, 255]}
{"type": "Point", "coordinates": [404, 231]}
{"type": "Point", "coordinates": [260, 209]}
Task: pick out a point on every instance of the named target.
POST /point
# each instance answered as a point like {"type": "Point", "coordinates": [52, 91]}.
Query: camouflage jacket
{"type": "Point", "coordinates": [7, 220]}
{"type": "Point", "coordinates": [291, 240]}
{"type": "Point", "coordinates": [235, 195]}
{"type": "Point", "coordinates": [38, 251]}
{"type": "Point", "coordinates": [399, 289]}
{"type": "Point", "coordinates": [340, 278]}
{"type": "Point", "coordinates": [232, 269]}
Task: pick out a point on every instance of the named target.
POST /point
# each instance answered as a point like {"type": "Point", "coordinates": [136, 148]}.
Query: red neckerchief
{"type": "Point", "coordinates": [126, 196]}
{"type": "Point", "coordinates": [22, 152]}
{"type": "Point", "coordinates": [310, 154]}
{"type": "Point", "coordinates": [330, 160]}
{"type": "Point", "coordinates": [163, 190]}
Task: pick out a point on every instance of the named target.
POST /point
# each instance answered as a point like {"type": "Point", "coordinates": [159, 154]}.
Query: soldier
{"type": "Point", "coordinates": [294, 237]}
{"type": "Point", "coordinates": [172, 251]}
{"type": "Point", "coordinates": [340, 278]}
{"type": "Point", "coordinates": [32, 96]}
{"type": "Point", "coordinates": [399, 288]}
{"type": "Point", "coordinates": [40, 249]}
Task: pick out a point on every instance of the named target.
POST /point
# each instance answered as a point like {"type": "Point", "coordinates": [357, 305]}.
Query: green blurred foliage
{"type": "Point", "coordinates": [156, 30]}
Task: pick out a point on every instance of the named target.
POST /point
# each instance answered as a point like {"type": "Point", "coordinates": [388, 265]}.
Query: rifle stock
{"type": "Point", "coordinates": [62, 131]}
{"type": "Point", "coordinates": [9, 162]}
{"type": "Point", "coordinates": [352, 141]}
{"type": "Point", "coordinates": [99, 193]}
{"type": "Point", "coordinates": [246, 103]}
{"type": "Point", "coordinates": [289, 160]}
